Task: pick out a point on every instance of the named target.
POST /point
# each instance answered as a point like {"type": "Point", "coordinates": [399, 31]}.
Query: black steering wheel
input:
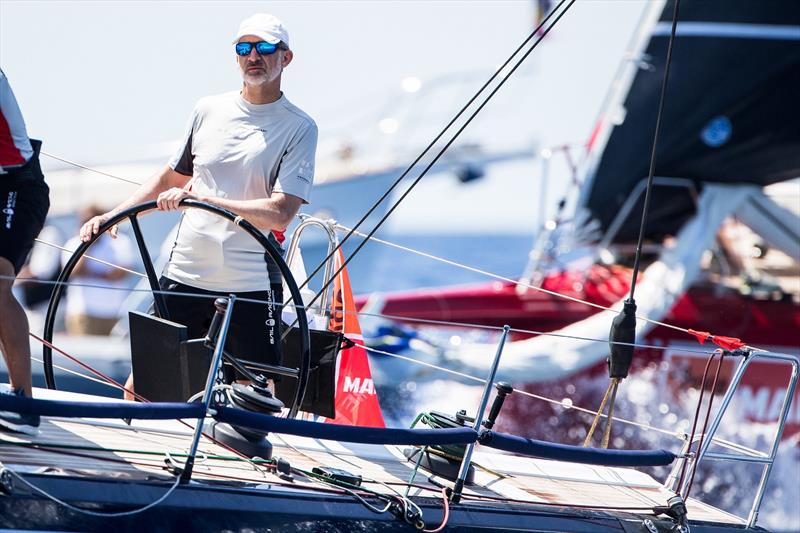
{"type": "Point", "coordinates": [132, 215]}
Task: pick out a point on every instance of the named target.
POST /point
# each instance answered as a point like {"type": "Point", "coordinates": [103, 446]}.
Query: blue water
{"type": "Point", "coordinates": [378, 267]}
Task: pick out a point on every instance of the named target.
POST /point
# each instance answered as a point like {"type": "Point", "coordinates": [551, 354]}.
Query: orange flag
{"type": "Point", "coordinates": [356, 396]}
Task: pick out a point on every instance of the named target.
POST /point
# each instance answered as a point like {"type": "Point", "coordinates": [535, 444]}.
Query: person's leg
{"type": "Point", "coordinates": [194, 313]}
{"type": "Point", "coordinates": [25, 197]}
{"type": "Point", "coordinates": [255, 332]}
{"type": "Point", "coordinates": [14, 332]}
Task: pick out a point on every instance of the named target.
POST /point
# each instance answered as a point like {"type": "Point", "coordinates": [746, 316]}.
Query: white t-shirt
{"type": "Point", "coordinates": [15, 147]}
{"type": "Point", "coordinates": [241, 151]}
{"type": "Point", "coordinates": [95, 301]}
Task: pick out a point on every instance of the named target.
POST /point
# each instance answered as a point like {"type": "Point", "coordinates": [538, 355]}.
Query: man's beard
{"type": "Point", "coordinates": [262, 77]}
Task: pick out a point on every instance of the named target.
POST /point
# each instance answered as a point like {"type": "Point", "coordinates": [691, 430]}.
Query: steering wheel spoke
{"type": "Point", "coordinates": [158, 298]}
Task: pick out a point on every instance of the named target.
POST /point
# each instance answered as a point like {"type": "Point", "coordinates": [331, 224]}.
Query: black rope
{"type": "Point", "coordinates": [438, 155]}
{"type": "Point", "coordinates": [653, 152]}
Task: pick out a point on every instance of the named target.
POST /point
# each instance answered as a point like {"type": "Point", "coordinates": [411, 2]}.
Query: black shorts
{"type": "Point", "coordinates": [255, 328]}
{"type": "Point", "coordinates": [24, 202]}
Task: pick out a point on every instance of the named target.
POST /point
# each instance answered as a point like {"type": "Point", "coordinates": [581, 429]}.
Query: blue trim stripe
{"type": "Point", "coordinates": [575, 454]}
{"type": "Point", "coordinates": [341, 433]}
{"type": "Point", "coordinates": [138, 411]}
{"type": "Point", "coordinates": [730, 30]}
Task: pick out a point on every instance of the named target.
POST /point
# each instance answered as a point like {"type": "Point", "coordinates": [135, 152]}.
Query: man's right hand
{"type": "Point", "coordinates": [92, 226]}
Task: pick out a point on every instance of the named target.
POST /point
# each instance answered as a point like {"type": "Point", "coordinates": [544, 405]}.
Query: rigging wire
{"type": "Point", "coordinates": [693, 470]}
{"type": "Point", "coordinates": [95, 259]}
{"type": "Point", "coordinates": [434, 322]}
{"type": "Point", "coordinates": [78, 374]}
{"type": "Point", "coordinates": [397, 246]}
{"type": "Point", "coordinates": [439, 154]}
{"type": "Point", "coordinates": [447, 370]}
{"type": "Point", "coordinates": [649, 189]}
{"type": "Point", "coordinates": [678, 434]}
{"type": "Point", "coordinates": [439, 136]}
{"type": "Point", "coordinates": [80, 510]}
{"type": "Point", "coordinates": [510, 280]}
{"type": "Point", "coordinates": [63, 449]}
{"type": "Point", "coordinates": [88, 168]}
{"type": "Point", "coordinates": [140, 397]}
{"type": "Point", "coordinates": [623, 326]}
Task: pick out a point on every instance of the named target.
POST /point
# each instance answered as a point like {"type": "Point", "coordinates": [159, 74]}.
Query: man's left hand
{"type": "Point", "coordinates": [169, 199]}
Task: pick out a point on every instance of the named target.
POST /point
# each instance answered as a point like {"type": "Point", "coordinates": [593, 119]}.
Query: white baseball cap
{"type": "Point", "coordinates": [265, 26]}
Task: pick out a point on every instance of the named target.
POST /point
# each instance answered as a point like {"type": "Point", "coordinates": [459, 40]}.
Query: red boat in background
{"type": "Point", "coordinates": [770, 321]}
{"type": "Point", "coordinates": [729, 132]}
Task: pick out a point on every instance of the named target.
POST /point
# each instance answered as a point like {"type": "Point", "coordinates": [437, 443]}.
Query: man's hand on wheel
{"type": "Point", "coordinates": [169, 199]}
{"type": "Point", "coordinates": [92, 226]}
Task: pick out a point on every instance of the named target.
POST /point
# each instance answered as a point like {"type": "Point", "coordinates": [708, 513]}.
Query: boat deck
{"type": "Point", "coordinates": [140, 451]}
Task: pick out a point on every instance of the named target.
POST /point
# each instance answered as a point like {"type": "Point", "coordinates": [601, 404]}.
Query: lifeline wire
{"type": "Point", "coordinates": [523, 392]}
{"type": "Point", "coordinates": [510, 280]}
{"type": "Point", "coordinates": [114, 383]}
{"type": "Point", "coordinates": [392, 317]}
{"type": "Point", "coordinates": [95, 259]}
{"type": "Point", "coordinates": [387, 243]}
{"type": "Point", "coordinates": [139, 397]}
{"type": "Point", "coordinates": [405, 318]}
{"type": "Point", "coordinates": [446, 146]}
{"type": "Point", "coordinates": [526, 285]}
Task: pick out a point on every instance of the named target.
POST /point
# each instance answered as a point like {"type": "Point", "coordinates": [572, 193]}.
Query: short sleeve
{"type": "Point", "coordinates": [296, 171]}
{"type": "Point", "coordinates": [182, 161]}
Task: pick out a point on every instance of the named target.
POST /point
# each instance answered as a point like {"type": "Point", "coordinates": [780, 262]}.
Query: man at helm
{"type": "Point", "coordinates": [249, 151]}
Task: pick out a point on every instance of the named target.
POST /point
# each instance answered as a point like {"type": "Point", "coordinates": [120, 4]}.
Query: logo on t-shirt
{"type": "Point", "coordinates": [304, 171]}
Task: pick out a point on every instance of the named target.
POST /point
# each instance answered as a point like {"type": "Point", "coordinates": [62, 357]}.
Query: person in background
{"type": "Point", "coordinates": [97, 289]}
{"type": "Point", "coordinates": [249, 151]}
{"type": "Point", "coordinates": [24, 202]}
{"type": "Point", "coordinates": [35, 280]}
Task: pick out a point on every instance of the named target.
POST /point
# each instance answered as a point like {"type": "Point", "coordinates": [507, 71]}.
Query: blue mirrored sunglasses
{"type": "Point", "coordinates": [262, 48]}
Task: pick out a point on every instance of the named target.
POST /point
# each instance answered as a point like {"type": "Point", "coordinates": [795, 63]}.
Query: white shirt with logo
{"type": "Point", "coordinates": [240, 151]}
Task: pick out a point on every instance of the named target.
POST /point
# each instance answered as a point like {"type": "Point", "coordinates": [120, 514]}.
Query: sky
{"type": "Point", "coordinates": [103, 81]}
{"type": "Point", "coordinates": [110, 82]}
